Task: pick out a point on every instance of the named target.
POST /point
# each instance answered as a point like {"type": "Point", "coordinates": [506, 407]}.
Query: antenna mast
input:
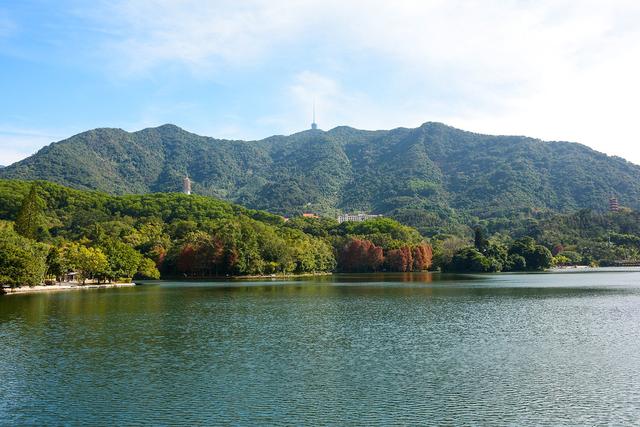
{"type": "Point", "coordinates": [314, 125]}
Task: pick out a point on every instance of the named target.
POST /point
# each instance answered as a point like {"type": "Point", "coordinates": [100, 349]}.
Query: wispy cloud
{"type": "Point", "coordinates": [17, 143]}
{"type": "Point", "coordinates": [331, 99]}
{"type": "Point", "coordinates": [507, 40]}
{"type": "Point", "coordinates": [475, 55]}
{"type": "Point", "coordinates": [200, 35]}
{"type": "Point", "coordinates": [555, 69]}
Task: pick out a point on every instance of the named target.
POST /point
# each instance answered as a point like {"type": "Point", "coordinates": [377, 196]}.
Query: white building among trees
{"type": "Point", "coordinates": [356, 217]}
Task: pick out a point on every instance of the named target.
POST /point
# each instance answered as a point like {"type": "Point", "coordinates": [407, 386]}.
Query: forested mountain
{"type": "Point", "coordinates": [47, 230]}
{"type": "Point", "coordinates": [430, 176]}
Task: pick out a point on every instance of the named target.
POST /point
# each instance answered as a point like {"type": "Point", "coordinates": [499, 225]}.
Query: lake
{"type": "Point", "coordinates": [503, 349]}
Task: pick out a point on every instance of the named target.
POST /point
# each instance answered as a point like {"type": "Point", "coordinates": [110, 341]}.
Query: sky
{"type": "Point", "coordinates": [554, 70]}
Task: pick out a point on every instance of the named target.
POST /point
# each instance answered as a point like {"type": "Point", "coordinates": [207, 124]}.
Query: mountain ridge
{"type": "Point", "coordinates": [427, 176]}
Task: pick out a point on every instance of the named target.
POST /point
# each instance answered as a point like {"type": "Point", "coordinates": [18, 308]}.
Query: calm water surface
{"type": "Point", "coordinates": [529, 349]}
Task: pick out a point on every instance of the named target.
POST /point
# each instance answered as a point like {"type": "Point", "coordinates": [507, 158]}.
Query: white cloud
{"type": "Point", "coordinates": [334, 102]}
{"type": "Point", "coordinates": [555, 69]}
{"type": "Point", "coordinates": [16, 144]}
{"type": "Point", "coordinates": [200, 35]}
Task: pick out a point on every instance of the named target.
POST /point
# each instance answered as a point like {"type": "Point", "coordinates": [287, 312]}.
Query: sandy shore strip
{"type": "Point", "coordinates": [62, 287]}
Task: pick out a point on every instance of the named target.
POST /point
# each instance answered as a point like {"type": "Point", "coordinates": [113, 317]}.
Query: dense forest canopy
{"type": "Point", "coordinates": [433, 177]}
{"type": "Point", "coordinates": [50, 230]}
{"type": "Point", "coordinates": [47, 230]}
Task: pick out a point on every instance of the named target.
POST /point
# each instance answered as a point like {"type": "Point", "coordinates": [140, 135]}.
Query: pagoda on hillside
{"type": "Point", "coordinates": [614, 206]}
{"type": "Point", "coordinates": [186, 185]}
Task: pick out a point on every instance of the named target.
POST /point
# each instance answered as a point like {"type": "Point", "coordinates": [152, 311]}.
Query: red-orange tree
{"type": "Point", "coordinates": [358, 256]}
{"type": "Point", "coordinates": [422, 257]}
{"type": "Point", "coordinates": [406, 258]}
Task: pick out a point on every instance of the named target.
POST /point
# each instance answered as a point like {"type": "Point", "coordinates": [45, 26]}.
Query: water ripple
{"type": "Point", "coordinates": [326, 354]}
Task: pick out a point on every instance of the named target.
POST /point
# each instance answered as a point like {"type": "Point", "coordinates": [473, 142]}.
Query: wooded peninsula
{"type": "Point", "coordinates": [48, 232]}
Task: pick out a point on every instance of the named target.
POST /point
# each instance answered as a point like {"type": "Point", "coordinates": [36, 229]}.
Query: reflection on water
{"type": "Point", "coordinates": [348, 349]}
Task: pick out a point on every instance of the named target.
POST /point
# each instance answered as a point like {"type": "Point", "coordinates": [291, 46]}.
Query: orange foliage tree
{"type": "Point", "coordinates": [422, 257]}
{"type": "Point", "coordinates": [406, 258]}
{"type": "Point", "coordinates": [358, 256]}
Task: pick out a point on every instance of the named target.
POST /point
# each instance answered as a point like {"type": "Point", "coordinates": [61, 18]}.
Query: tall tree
{"type": "Point", "coordinates": [400, 259]}
{"type": "Point", "coordinates": [147, 269]}
{"type": "Point", "coordinates": [469, 260]}
{"type": "Point", "coordinates": [537, 257]}
{"type": "Point", "coordinates": [22, 261]}
{"type": "Point", "coordinates": [55, 263]}
{"type": "Point", "coordinates": [123, 260]}
{"type": "Point", "coordinates": [358, 256]}
{"type": "Point", "coordinates": [422, 255]}
{"type": "Point", "coordinates": [30, 216]}
{"type": "Point", "coordinates": [480, 239]}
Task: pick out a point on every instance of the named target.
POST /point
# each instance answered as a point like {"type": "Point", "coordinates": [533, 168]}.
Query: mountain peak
{"type": "Point", "coordinates": [167, 130]}
{"type": "Point", "coordinates": [169, 126]}
{"type": "Point", "coordinates": [421, 175]}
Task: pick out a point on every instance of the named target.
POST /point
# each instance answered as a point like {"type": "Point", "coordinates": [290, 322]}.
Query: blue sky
{"type": "Point", "coordinates": [557, 70]}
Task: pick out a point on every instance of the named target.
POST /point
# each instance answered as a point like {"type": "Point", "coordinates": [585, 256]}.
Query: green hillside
{"type": "Point", "coordinates": [43, 224]}
{"type": "Point", "coordinates": [432, 177]}
{"type": "Point", "coordinates": [47, 230]}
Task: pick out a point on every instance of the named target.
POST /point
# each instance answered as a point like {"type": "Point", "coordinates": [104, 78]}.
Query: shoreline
{"type": "Point", "coordinates": [281, 276]}
{"type": "Point", "coordinates": [244, 277]}
{"type": "Point", "coordinates": [79, 287]}
{"type": "Point", "coordinates": [62, 287]}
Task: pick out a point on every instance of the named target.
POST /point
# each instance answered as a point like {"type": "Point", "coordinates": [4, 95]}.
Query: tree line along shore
{"type": "Point", "coordinates": [51, 233]}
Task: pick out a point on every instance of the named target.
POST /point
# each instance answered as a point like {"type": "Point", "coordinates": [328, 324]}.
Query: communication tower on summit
{"type": "Point", "coordinates": [314, 125]}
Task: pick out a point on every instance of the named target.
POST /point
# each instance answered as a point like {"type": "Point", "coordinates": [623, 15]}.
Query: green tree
{"type": "Point", "coordinates": [147, 269]}
{"type": "Point", "coordinates": [325, 258]}
{"type": "Point", "coordinates": [515, 262]}
{"type": "Point", "coordinates": [498, 253]}
{"type": "Point", "coordinates": [55, 263]}
{"type": "Point", "coordinates": [278, 253]}
{"type": "Point", "coordinates": [540, 259]}
{"type": "Point", "coordinates": [22, 261]}
{"type": "Point", "coordinates": [573, 257]}
{"type": "Point", "coordinates": [445, 249]}
{"type": "Point", "coordinates": [469, 260]}
{"type": "Point", "coordinates": [90, 262]}
{"type": "Point", "coordinates": [480, 239]}
{"type": "Point", "coordinates": [123, 260]}
{"type": "Point", "coordinates": [29, 218]}
{"type": "Point", "coordinates": [537, 257]}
